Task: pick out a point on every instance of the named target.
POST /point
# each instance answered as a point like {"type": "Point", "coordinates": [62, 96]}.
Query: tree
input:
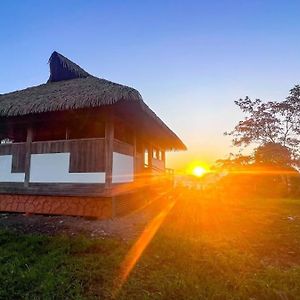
{"type": "Point", "coordinates": [233, 163]}
{"type": "Point", "coordinates": [270, 123]}
{"type": "Point", "coordinates": [273, 129]}
{"type": "Point", "coordinates": [274, 155]}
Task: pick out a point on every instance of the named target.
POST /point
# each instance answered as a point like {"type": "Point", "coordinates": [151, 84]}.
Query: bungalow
{"type": "Point", "coordinates": [77, 144]}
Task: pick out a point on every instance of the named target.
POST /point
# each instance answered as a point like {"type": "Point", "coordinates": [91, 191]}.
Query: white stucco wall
{"type": "Point", "coordinates": [5, 170]}
{"type": "Point", "coordinates": [123, 168]}
{"type": "Point", "coordinates": [54, 168]}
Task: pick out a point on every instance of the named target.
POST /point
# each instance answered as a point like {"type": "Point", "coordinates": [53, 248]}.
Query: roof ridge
{"type": "Point", "coordinates": [61, 68]}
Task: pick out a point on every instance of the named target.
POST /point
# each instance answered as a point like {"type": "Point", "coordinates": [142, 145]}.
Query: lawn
{"type": "Point", "coordinates": [203, 249]}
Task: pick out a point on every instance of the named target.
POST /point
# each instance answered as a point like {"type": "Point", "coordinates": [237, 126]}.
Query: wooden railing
{"type": "Point", "coordinates": [18, 152]}
{"type": "Point", "coordinates": [122, 147]}
{"type": "Point", "coordinates": [86, 155]}
{"type": "Point", "coordinates": [169, 171]}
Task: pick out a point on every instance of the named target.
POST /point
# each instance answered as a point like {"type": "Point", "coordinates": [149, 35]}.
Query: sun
{"type": "Point", "coordinates": [197, 168]}
{"type": "Point", "coordinates": [199, 171]}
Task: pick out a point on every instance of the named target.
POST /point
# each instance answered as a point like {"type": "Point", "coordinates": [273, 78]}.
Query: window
{"type": "Point", "coordinates": [45, 132]}
{"type": "Point", "coordinates": [6, 141]}
{"type": "Point", "coordinates": [84, 129]}
{"type": "Point", "coordinates": [75, 129]}
{"type": "Point", "coordinates": [15, 134]}
{"type": "Point", "coordinates": [154, 153]}
{"type": "Point", "coordinates": [123, 133]}
{"type": "Point", "coordinates": [146, 158]}
{"type": "Point", "coordinates": [159, 155]}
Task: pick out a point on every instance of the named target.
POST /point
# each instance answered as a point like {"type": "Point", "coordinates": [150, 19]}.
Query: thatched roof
{"type": "Point", "coordinates": [70, 88]}
{"type": "Point", "coordinates": [61, 68]}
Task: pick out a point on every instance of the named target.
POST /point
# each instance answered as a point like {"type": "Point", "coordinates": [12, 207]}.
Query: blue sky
{"type": "Point", "coordinates": [189, 59]}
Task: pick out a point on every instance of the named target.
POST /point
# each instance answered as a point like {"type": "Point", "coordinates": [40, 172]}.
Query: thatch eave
{"type": "Point", "coordinates": [83, 91]}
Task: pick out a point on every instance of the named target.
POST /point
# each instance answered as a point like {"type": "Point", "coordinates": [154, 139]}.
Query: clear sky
{"type": "Point", "coordinates": [189, 59]}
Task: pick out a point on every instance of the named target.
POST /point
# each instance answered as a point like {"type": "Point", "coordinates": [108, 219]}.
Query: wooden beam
{"type": "Point", "coordinates": [109, 140]}
{"type": "Point", "coordinates": [28, 155]}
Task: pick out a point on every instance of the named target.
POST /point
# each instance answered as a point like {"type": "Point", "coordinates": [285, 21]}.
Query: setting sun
{"type": "Point", "coordinates": [199, 171]}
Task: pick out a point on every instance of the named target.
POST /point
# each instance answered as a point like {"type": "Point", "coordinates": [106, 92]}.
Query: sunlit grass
{"type": "Point", "coordinates": [204, 248]}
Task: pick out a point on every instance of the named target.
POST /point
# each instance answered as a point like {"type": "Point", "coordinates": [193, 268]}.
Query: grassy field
{"type": "Point", "coordinates": [204, 249]}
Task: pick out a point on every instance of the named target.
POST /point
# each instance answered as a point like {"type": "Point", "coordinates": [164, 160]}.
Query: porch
{"type": "Point", "coordinates": [75, 167]}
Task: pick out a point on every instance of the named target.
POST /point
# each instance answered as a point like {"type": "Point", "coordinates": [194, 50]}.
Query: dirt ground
{"type": "Point", "coordinates": [125, 228]}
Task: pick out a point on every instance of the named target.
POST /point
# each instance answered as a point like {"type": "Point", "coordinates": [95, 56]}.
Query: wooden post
{"type": "Point", "coordinates": [134, 156]}
{"type": "Point", "coordinates": [150, 157]}
{"type": "Point", "coordinates": [163, 157]}
{"type": "Point", "coordinates": [28, 155]}
{"type": "Point", "coordinates": [109, 140]}
{"type": "Point", "coordinates": [67, 133]}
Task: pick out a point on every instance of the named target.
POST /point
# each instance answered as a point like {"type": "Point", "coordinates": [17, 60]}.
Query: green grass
{"type": "Point", "coordinates": [40, 267]}
{"type": "Point", "coordinates": [205, 249]}
{"type": "Point", "coordinates": [34, 267]}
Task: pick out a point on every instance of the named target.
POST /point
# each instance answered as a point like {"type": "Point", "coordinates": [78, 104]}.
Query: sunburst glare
{"type": "Point", "coordinates": [199, 171]}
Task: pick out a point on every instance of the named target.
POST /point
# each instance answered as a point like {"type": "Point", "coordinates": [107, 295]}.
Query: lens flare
{"type": "Point", "coordinates": [139, 246]}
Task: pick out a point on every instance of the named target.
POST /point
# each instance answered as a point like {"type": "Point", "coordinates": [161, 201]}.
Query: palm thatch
{"type": "Point", "coordinates": [70, 88]}
{"type": "Point", "coordinates": [61, 68]}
